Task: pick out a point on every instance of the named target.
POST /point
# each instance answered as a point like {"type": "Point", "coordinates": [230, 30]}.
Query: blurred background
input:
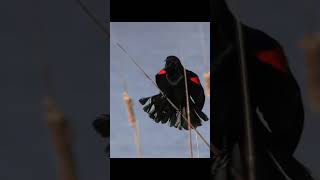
{"type": "Point", "coordinates": [61, 34]}
{"type": "Point", "coordinates": [289, 21]}
{"type": "Point", "coordinates": [149, 43]}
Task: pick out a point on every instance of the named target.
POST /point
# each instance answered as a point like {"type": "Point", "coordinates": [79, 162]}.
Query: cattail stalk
{"type": "Point", "coordinates": [188, 113]}
{"type": "Point", "coordinates": [133, 122]}
{"type": "Point", "coordinates": [61, 139]}
{"type": "Point", "coordinates": [311, 45]}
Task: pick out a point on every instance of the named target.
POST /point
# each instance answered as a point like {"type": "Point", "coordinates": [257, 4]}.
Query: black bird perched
{"type": "Point", "coordinates": [171, 82]}
{"type": "Point", "coordinates": [276, 104]}
{"type": "Point", "coordinates": [102, 126]}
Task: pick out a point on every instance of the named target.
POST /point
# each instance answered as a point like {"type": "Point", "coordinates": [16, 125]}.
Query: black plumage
{"type": "Point", "coordinates": [278, 112]}
{"type": "Point", "coordinates": [102, 126]}
{"type": "Point", "coordinates": [171, 82]}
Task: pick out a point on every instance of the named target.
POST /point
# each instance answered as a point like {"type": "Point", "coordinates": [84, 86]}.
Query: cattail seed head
{"type": "Point", "coordinates": [207, 81]}
{"type": "Point", "coordinates": [128, 101]}
{"type": "Point", "coordinates": [311, 46]}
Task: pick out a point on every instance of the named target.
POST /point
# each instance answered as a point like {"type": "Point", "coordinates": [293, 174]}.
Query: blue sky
{"type": "Point", "coordinates": [149, 44]}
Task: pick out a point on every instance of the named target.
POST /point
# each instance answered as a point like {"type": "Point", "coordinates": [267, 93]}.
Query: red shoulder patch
{"type": "Point", "coordinates": [274, 57]}
{"type": "Point", "coordinates": [195, 80]}
{"type": "Point", "coordinates": [162, 71]}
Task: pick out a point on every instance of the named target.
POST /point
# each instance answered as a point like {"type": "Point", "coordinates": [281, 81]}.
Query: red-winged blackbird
{"type": "Point", "coordinates": [171, 82]}
{"type": "Point", "coordinates": [276, 103]}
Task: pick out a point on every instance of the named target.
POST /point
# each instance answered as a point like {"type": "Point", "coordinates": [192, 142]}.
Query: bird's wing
{"type": "Point", "coordinates": [196, 90]}
{"type": "Point", "coordinates": [162, 81]}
